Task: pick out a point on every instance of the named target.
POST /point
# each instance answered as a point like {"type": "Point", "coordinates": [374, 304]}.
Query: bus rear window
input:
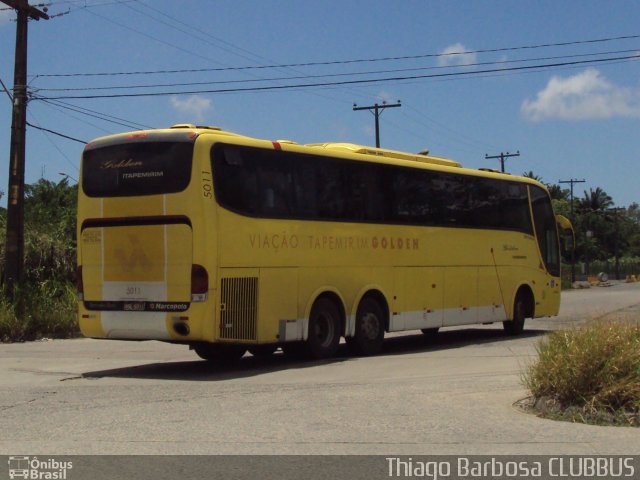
{"type": "Point", "coordinates": [141, 168]}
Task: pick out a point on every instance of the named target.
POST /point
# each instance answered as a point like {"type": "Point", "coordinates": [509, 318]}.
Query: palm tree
{"type": "Point", "coordinates": [557, 192]}
{"type": "Point", "coordinates": [532, 175]}
{"type": "Point", "coordinates": [596, 200]}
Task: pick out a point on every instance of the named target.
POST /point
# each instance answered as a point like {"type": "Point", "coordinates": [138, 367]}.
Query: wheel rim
{"type": "Point", "coordinates": [370, 325]}
{"type": "Point", "coordinates": [324, 330]}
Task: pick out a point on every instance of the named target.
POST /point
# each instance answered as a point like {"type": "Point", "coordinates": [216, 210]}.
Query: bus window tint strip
{"type": "Point", "coordinates": [144, 168]}
{"type": "Point", "coordinates": [277, 184]}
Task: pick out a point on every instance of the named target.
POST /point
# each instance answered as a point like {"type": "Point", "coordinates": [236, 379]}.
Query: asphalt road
{"type": "Point", "coordinates": [453, 395]}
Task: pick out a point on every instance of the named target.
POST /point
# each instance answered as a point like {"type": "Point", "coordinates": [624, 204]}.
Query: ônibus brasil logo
{"type": "Point", "coordinates": [33, 468]}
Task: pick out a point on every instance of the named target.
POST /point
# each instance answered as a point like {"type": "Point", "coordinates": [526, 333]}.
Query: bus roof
{"type": "Point", "coordinates": [383, 152]}
{"type": "Point", "coordinates": [335, 148]}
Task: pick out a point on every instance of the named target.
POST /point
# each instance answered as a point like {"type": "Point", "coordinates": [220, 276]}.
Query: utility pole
{"type": "Point", "coordinates": [571, 182]}
{"type": "Point", "coordinates": [573, 251]}
{"type": "Point", "coordinates": [14, 248]}
{"type": "Point", "coordinates": [377, 110]}
{"type": "Point", "coordinates": [616, 245]}
{"type": "Point", "coordinates": [502, 157]}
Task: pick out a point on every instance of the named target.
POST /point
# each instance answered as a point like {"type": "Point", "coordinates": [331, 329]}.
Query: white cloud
{"type": "Point", "coordinates": [582, 96]}
{"type": "Point", "coordinates": [194, 106]}
{"type": "Point", "coordinates": [456, 54]}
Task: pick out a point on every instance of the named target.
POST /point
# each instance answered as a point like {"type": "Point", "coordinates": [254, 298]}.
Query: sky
{"type": "Point", "coordinates": [558, 81]}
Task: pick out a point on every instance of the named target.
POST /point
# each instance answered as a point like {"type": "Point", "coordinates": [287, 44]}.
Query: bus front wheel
{"type": "Point", "coordinates": [516, 326]}
{"type": "Point", "coordinates": [369, 334]}
{"type": "Point", "coordinates": [324, 329]}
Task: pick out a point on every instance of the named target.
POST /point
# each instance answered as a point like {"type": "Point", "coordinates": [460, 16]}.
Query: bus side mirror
{"type": "Point", "coordinates": [567, 234]}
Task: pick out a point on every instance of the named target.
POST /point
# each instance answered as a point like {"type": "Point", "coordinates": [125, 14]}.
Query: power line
{"type": "Point", "coordinates": [351, 82]}
{"type": "Point", "coordinates": [327, 75]}
{"type": "Point", "coordinates": [342, 62]}
{"type": "Point", "coordinates": [82, 4]}
{"type": "Point", "coordinates": [95, 114]}
{"type": "Point", "coordinates": [191, 31]}
{"type": "Point", "coordinates": [445, 129]}
{"type": "Point", "coordinates": [6, 90]}
{"type": "Point", "coordinates": [172, 45]}
{"type": "Point", "coordinates": [177, 47]}
{"type": "Point", "coordinates": [46, 134]}
{"type": "Point", "coordinates": [82, 121]}
{"type": "Point", "coordinates": [56, 133]}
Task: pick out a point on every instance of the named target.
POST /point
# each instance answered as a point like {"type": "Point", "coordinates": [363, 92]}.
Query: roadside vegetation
{"type": "Point", "coordinates": [589, 375]}
{"type": "Point", "coordinates": [44, 303]}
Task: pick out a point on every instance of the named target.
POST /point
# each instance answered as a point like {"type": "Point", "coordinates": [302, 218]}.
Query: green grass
{"type": "Point", "coordinates": [590, 374]}
{"type": "Point", "coordinates": [40, 310]}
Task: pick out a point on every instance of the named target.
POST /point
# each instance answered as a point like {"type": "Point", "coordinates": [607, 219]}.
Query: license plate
{"type": "Point", "coordinates": [134, 306]}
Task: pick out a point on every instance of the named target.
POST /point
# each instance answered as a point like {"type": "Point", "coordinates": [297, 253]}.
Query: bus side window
{"type": "Point", "coordinates": [236, 180]}
{"type": "Point", "coordinates": [412, 197]}
{"type": "Point", "coordinates": [304, 188]}
{"type": "Point", "coordinates": [330, 190]}
{"type": "Point", "coordinates": [274, 183]}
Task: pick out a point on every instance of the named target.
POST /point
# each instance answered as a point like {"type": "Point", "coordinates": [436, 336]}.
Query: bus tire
{"type": "Point", "coordinates": [221, 353]}
{"type": "Point", "coordinates": [294, 350]}
{"type": "Point", "coordinates": [324, 329]}
{"type": "Point", "coordinates": [516, 326]}
{"type": "Point", "coordinates": [369, 334]}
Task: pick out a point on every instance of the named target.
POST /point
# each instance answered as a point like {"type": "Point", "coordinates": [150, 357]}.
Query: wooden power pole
{"type": "Point", "coordinates": [14, 247]}
{"type": "Point", "coordinates": [503, 156]}
{"type": "Point", "coordinates": [377, 110]}
{"type": "Point", "coordinates": [572, 182]}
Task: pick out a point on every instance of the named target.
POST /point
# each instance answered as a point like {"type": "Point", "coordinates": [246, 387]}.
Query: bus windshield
{"type": "Point", "coordinates": [143, 168]}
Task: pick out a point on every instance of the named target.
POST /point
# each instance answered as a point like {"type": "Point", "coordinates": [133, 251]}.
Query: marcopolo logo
{"type": "Point", "coordinates": [38, 469]}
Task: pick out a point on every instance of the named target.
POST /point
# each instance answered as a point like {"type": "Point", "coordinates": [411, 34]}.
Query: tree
{"type": "Point", "coordinates": [632, 230]}
{"type": "Point", "coordinates": [595, 201]}
{"type": "Point", "coordinates": [596, 228]}
{"type": "Point", "coordinates": [49, 231]}
{"type": "Point", "coordinates": [51, 207]}
{"type": "Point", "coordinates": [532, 175]}
{"type": "Point", "coordinates": [558, 193]}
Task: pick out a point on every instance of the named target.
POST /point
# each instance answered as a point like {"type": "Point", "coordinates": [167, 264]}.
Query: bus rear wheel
{"type": "Point", "coordinates": [369, 334]}
{"type": "Point", "coordinates": [324, 329]}
{"type": "Point", "coordinates": [217, 352]}
{"type": "Point", "coordinates": [516, 326]}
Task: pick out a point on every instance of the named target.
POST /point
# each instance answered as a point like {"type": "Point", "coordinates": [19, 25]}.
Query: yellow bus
{"type": "Point", "coordinates": [198, 236]}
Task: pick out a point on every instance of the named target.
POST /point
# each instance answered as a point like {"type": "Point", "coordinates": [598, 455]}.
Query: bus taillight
{"type": "Point", "coordinates": [79, 285]}
{"type": "Point", "coordinates": [199, 283]}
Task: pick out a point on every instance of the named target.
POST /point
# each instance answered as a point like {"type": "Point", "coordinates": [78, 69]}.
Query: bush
{"type": "Point", "coordinates": [44, 303]}
{"type": "Point", "coordinates": [46, 309]}
{"type": "Point", "coordinates": [590, 374]}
